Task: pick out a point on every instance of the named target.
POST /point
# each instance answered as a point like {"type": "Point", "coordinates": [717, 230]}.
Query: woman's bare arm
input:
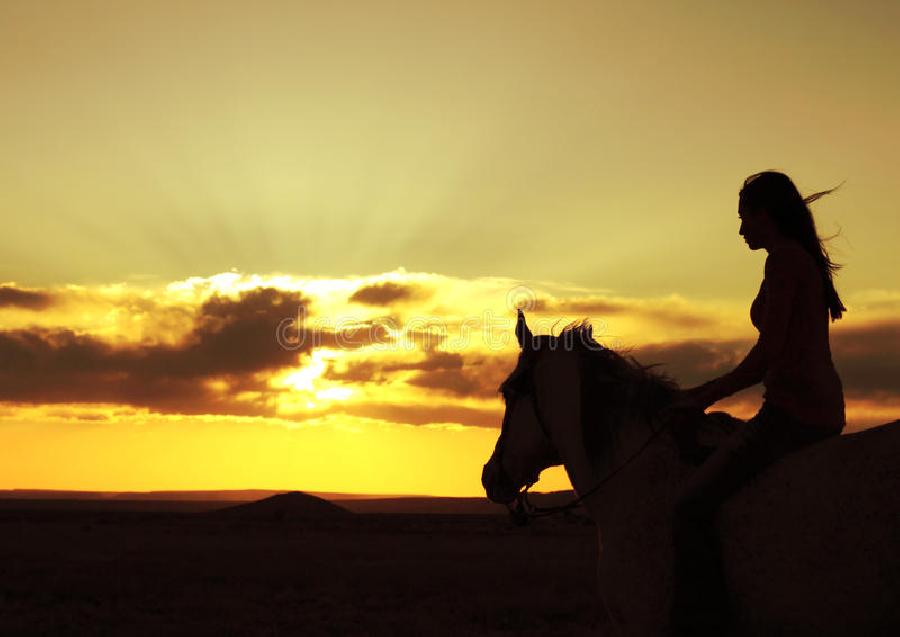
{"type": "Point", "coordinates": [749, 372]}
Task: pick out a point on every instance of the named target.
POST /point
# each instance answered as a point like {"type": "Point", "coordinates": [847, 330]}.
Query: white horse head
{"type": "Point", "coordinates": [524, 449]}
{"type": "Point", "coordinates": [569, 401]}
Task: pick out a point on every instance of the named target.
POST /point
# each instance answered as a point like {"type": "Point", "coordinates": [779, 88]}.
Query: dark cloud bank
{"type": "Point", "coordinates": [233, 340]}
{"type": "Point", "coordinates": [867, 358]}
{"type": "Point", "coordinates": [388, 293]}
{"type": "Point", "coordinates": [11, 296]}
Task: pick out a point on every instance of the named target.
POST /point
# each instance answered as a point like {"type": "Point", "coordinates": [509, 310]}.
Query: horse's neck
{"type": "Point", "coordinates": [648, 462]}
{"type": "Point", "coordinates": [633, 429]}
{"type": "Point", "coordinates": [641, 451]}
{"type": "Point", "coordinates": [558, 385]}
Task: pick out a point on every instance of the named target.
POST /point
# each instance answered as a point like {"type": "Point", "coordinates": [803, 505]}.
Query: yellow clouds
{"type": "Point", "coordinates": [409, 348]}
{"type": "Point", "coordinates": [241, 345]}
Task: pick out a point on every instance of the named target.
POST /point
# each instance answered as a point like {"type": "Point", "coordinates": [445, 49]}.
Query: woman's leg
{"type": "Point", "coordinates": [700, 598]}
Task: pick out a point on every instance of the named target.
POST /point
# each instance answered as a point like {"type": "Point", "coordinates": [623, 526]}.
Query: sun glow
{"type": "Point", "coordinates": [334, 393]}
{"type": "Point", "coordinates": [303, 379]}
{"type": "Point", "coordinates": [309, 383]}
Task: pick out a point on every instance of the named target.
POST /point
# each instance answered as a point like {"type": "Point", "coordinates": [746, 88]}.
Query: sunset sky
{"type": "Point", "coordinates": [180, 177]}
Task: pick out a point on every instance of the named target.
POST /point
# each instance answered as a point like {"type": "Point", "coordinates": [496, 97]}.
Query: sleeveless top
{"type": "Point", "coordinates": [791, 314]}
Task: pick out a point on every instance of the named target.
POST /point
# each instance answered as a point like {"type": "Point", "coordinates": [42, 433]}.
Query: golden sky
{"type": "Point", "coordinates": [178, 177]}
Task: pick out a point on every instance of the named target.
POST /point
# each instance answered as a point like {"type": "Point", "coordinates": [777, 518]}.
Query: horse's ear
{"type": "Point", "coordinates": [523, 334]}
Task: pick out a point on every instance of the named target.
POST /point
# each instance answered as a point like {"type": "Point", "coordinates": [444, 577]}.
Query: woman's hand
{"type": "Point", "coordinates": [687, 401]}
{"type": "Point", "coordinates": [683, 415]}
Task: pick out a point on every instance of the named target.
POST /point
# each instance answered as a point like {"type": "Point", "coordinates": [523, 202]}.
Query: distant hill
{"type": "Point", "coordinates": [285, 506]}
{"type": "Point", "coordinates": [200, 501]}
{"type": "Point", "coordinates": [223, 495]}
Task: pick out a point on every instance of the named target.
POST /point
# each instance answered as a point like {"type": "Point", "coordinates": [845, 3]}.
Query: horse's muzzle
{"type": "Point", "coordinates": [496, 483]}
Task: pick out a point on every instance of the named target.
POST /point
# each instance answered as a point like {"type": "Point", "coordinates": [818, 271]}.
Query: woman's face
{"type": "Point", "coordinates": [757, 228]}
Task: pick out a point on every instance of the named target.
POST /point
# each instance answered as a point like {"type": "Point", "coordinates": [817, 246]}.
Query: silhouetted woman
{"type": "Point", "coordinates": [803, 400]}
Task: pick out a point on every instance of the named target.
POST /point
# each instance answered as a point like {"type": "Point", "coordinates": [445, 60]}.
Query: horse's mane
{"type": "Point", "coordinates": [615, 386]}
{"type": "Point", "coordinates": [618, 363]}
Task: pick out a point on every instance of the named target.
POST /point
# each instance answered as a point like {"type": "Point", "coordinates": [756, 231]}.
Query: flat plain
{"type": "Point", "coordinates": [70, 570]}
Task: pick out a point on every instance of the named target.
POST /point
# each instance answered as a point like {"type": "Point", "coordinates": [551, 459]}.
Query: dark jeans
{"type": "Point", "coordinates": [700, 599]}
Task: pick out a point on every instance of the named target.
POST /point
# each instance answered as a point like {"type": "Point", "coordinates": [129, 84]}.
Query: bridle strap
{"type": "Point", "coordinates": [526, 510]}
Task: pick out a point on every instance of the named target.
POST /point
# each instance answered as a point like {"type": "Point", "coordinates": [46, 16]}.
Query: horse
{"type": "Point", "coordinates": [810, 546]}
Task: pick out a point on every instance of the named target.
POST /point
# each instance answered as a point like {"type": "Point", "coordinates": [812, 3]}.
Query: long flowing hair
{"type": "Point", "coordinates": [775, 192]}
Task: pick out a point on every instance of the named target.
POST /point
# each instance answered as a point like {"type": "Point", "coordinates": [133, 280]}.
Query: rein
{"type": "Point", "coordinates": [525, 510]}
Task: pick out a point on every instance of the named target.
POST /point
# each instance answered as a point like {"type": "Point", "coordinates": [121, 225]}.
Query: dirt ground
{"type": "Point", "coordinates": [141, 573]}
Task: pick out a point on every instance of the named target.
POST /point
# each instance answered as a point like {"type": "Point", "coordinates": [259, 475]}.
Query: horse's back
{"type": "Point", "coordinates": [812, 545]}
